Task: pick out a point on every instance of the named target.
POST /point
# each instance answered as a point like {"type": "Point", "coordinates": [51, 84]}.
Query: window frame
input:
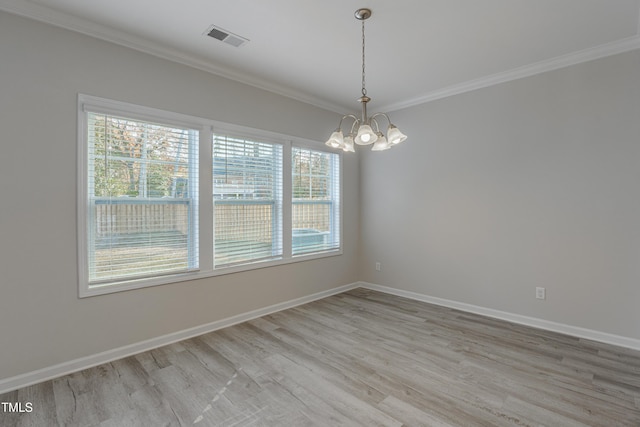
{"type": "Point", "coordinates": [226, 131]}
{"type": "Point", "coordinates": [92, 201]}
{"type": "Point", "coordinates": [335, 166]}
{"type": "Point", "coordinates": [204, 233]}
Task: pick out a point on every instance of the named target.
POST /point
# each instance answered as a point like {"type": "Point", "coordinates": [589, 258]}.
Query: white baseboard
{"type": "Point", "coordinates": [45, 374]}
{"type": "Point", "coordinates": [65, 368]}
{"type": "Point", "coordinates": [575, 331]}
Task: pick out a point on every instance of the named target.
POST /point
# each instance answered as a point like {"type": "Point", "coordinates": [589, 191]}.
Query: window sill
{"type": "Point", "coordinates": [128, 285]}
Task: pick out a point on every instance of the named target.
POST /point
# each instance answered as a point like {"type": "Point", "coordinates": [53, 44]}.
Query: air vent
{"type": "Point", "coordinates": [225, 36]}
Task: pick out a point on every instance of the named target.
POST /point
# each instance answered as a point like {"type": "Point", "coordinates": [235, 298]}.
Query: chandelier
{"type": "Point", "coordinates": [362, 129]}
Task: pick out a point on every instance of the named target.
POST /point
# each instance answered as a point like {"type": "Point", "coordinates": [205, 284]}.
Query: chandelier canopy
{"type": "Point", "coordinates": [365, 130]}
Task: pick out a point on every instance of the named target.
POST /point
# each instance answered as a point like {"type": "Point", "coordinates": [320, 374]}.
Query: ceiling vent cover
{"type": "Point", "coordinates": [225, 36]}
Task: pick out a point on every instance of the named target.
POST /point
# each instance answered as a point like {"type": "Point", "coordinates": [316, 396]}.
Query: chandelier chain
{"type": "Point", "coordinates": [364, 90]}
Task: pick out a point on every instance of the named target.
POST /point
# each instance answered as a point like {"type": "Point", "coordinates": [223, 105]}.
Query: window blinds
{"type": "Point", "coordinates": [142, 185]}
{"type": "Point", "coordinates": [247, 199]}
{"type": "Point", "coordinates": [316, 199]}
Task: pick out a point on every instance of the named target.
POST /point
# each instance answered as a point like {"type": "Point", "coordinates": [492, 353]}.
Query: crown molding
{"type": "Point", "coordinates": [586, 55]}
{"type": "Point", "coordinates": [63, 20]}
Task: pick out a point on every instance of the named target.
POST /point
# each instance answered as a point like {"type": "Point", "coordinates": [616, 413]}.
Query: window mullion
{"type": "Point", "coordinates": [207, 217]}
{"type": "Point", "coordinates": [336, 198]}
{"type": "Point", "coordinates": [287, 198]}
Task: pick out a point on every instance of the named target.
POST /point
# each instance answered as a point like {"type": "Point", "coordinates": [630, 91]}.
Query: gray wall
{"type": "Point", "coordinates": [497, 191]}
{"type": "Point", "coordinates": [530, 183]}
{"type": "Point", "coordinates": [42, 321]}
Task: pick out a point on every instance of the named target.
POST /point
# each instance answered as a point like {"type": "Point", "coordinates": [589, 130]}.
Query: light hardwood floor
{"type": "Point", "coordinates": [358, 358]}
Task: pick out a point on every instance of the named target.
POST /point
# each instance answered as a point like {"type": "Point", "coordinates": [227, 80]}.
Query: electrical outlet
{"type": "Point", "coordinates": [540, 293]}
{"type": "Point", "coordinates": [378, 266]}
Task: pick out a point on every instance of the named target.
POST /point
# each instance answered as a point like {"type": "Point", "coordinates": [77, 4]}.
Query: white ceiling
{"type": "Point", "coordinates": [417, 50]}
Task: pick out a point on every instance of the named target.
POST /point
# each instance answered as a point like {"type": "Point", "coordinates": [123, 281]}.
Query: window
{"type": "Point", "coordinates": [247, 200]}
{"type": "Point", "coordinates": [165, 197]}
{"type": "Point", "coordinates": [316, 198]}
{"type": "Point", "coordinates": [142, 213]}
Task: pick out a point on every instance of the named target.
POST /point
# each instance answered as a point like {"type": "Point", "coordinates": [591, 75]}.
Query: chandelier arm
{"type": "Point", "coordinates": [381, 114]}
{"type": "Point", "coordinates": [355, 125]}
{"type": "Point", "coordinates": [372, 120]}
{"type": "Point", "coordinates": [350, 116]}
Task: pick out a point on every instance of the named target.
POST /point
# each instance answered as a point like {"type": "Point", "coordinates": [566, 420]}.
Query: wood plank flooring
{"type": "Point", "coordinates": [361, 358]}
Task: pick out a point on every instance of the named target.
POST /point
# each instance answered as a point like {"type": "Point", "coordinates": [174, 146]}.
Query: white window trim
{"type": "Point", "coordinates": [249, 135]}
{"type": "Point", "coordinates": [335, 229]}
{"type": "Point", "coordinates": [206, 128]}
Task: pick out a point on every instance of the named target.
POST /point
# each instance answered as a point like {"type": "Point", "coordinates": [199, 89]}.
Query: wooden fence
{"type": "Point", "coordinates": [234, 219]}
{"type": "Point", "coordinates": [312, 215]}
{"type": "Point", "coordinates": [244, 221]}
{"type": "Point", "coordinates": [122, 216]}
